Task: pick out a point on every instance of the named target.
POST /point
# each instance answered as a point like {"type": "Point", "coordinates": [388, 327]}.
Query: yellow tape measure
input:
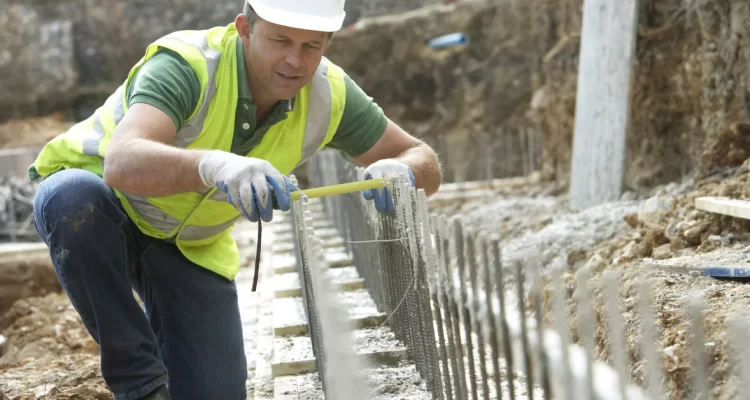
{"type": "Point", "coordinates": [342, 188]}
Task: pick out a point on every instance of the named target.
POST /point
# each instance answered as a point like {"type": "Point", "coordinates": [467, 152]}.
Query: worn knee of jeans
{"type": "Point", "coordinates": [69, 204]}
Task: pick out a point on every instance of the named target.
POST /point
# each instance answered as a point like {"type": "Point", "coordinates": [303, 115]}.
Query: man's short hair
{"type": "Point", "coordinates": [251, 16]}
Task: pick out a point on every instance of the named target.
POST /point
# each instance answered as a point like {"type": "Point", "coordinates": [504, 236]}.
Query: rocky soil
{"type": "Point", "coordinates": [24, 276]}
{"type": "Point", "coordinates": [677, 229]}
{"type": "Point", "coordinates": [628, 237]}
{"type": "Point", "coordinates": [32, 132]}
{"type": "Point", "coordinates": [49, 352]}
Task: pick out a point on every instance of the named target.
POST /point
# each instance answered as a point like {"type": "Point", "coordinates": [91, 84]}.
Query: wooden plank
{"type": "Point", "coordinates": [608, 41]}
{"type": "Point", "coordinates": [724, 205]}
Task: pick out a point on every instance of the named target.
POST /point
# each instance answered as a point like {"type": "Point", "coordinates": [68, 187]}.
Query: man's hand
{"type": "Point", "coordinates": [251, 184]}
{"type": "Point", "coordinates": [382, 169]}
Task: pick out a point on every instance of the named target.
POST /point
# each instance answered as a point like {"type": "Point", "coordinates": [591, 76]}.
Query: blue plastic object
{"type": "Point", "coordinates": [452, 39]}
{"type": "Point", "coordinates": [727, 272]}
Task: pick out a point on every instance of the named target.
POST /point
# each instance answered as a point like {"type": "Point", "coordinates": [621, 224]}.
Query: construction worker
{"type": "Point", "coordinates": [204, 130]}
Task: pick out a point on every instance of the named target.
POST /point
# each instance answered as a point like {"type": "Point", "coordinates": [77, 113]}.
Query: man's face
{"type": "Point", "coordinates": [281, 60]}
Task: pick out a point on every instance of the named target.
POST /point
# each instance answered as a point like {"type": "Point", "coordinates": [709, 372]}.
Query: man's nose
{"type": "Point", "coordinates": [294, 58]}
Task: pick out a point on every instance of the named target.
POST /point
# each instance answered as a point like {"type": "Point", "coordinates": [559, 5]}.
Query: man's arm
{"type": "Point", "coordinates": [399, 145]}
{"type": "Point", "coordinates": [140, 161]}
{"type": "Point", "coordinates": [367, 136]}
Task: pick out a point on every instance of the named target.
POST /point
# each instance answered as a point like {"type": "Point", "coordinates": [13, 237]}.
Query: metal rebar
{"type": "Point", "coordinates": [536, 297]}
{"type": "Point", "coordinates": [649, 342]}
{"type": "Point", "coordinates": [561, 325]}
{"type": "Point", "coordinates": [473, 268]}
{"type": "Point", "coordinates": [519, 270]}
{"type": "Point", "coordinates": [452, 317]}
{"type": "Point", "coordinates": [440, 305]}
{"type": "Point", "coordinates": [497, 266]}
{"type": "Point", "coordinates": [699, 367]}
{"type": "Point", "coordinates": [460, 256]}
{"type": "Point", "coordinates": [489, 309]}
{"type": "Point", "coordinates": [617, 339]}
{"type": "Point", "coordinates": [586, 329]}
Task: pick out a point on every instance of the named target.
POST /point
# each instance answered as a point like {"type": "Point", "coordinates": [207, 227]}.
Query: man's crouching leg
{"type": "Point", "coordinates": [95, 254]}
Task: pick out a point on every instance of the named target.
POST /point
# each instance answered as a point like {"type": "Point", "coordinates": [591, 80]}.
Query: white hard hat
{"type": "Point", "coordinates": [314, 15]}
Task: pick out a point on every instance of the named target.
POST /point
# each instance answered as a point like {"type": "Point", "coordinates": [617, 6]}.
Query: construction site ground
{"type": "Point", "coordinates": [47, 352]}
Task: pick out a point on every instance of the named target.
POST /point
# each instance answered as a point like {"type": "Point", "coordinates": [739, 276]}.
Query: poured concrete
{"type": "Point", "coordinates": [344, 279]}
{"type": "Point", "coordinates": [289, 318]}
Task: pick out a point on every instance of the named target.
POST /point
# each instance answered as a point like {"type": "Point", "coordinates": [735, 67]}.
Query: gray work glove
{"type": "Point", "coordinates": [251, 184]}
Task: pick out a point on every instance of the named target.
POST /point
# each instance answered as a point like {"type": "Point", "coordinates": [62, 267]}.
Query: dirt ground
{"type": "Point", "coordinates": [49, 353]}
{"type": "Point", "coordinates": [627, 237]}
{"type": "Point", "coordinates": [32, 132]}
{"type": "Point", "coordinates": [24, 276]}
{"type": "Point", "coordinates": [679, 230]}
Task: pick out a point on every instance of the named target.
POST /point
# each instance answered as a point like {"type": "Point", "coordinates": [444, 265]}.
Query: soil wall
{"type": "Point", "coordinates": [690, 90]}
{"type": "Point", "coordinates": [517, 78]}
{"type": "Point", "coordinates": [469, 98]}
{"type": "Point", "coordinates": [507, 96]}
{"type": "Point", "coordinates": [70, 54]}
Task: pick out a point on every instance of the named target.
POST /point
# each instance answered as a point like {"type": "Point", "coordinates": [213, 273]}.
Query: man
{"type": "Point", "coordinates": [144, 193]}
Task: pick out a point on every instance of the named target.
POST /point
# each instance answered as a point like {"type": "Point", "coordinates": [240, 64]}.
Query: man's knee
{"type": "Point", "coordinates": [69, 200]}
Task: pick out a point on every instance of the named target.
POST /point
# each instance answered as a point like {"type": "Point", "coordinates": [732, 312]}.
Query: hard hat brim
{"type": "Point", "coordinates": [298, 20]}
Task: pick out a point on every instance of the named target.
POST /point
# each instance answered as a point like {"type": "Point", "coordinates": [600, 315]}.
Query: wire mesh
{"type": "Point", "coordinates": [339, 369]}
{"type": "Point", "coordinates": [476, 326]}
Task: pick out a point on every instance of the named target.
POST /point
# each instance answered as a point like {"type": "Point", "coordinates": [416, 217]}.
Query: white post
{"type": "Point", "coordinates": [608, 41]}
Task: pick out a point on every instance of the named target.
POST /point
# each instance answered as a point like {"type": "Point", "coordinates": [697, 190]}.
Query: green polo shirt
{"type": "Point", "coordinates": [167, 82]}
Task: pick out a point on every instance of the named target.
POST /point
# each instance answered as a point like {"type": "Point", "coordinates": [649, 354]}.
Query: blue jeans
{"type": "Point", "coordinates": [188, 335]}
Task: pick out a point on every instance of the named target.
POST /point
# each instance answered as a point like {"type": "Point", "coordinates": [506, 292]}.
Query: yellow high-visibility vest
{"type": "Point", "coordinates": [200, 222]}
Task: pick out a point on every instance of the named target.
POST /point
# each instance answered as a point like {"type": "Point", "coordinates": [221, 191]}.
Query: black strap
{"type": "Point", "coordinates": [257, 256]}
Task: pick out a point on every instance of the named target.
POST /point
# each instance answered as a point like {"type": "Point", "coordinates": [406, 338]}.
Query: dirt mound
{"type": "Point", "coordinates": [22, 277]}
{"type": "Point", "coordinates": [33, 131]}
{"type": "Point", "coordinates": [668, 225]}
{"type": "Point", "coordinates": [49, 352]}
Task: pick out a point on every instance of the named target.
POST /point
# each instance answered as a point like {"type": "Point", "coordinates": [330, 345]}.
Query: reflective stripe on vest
{"type": "Point", "coordinates": [316, 128]}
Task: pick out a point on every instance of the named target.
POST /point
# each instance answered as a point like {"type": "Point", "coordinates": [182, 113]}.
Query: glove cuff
{"type": "Point", "coordinates": [208, 167]}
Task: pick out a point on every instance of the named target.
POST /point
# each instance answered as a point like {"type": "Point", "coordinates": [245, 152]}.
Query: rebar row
{"type": "Point", "coordinates": [478, 327]}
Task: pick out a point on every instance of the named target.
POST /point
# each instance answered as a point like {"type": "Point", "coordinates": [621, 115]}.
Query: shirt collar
{"type": "Point", "coordinates": [243, 91]}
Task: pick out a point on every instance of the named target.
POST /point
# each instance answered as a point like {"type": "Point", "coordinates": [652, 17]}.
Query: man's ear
{"type": "Point", "coordinates": [243, 28]}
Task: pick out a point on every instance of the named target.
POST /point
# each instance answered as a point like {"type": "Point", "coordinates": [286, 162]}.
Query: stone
{"type": "Point", "coordinates": [595, 263]}
{"type": "Point", "coordinates": [654, 208]}
{"type": "Point", "coordinates": [662, 252]}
